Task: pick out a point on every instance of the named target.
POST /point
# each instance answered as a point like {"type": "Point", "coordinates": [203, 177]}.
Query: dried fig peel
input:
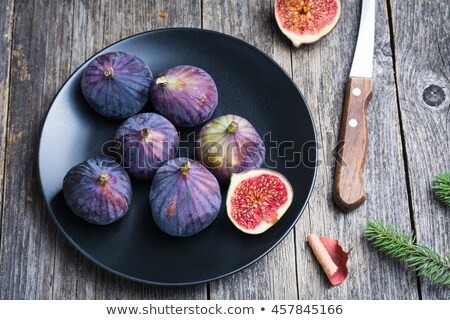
{"type": "Point", "coordinates": [331, 257]}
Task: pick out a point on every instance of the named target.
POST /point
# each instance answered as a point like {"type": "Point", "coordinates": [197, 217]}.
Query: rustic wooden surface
{"type": "Point", "coordinates": [422, 60]}
{"type": "Point", "coordinates": [43, 42]}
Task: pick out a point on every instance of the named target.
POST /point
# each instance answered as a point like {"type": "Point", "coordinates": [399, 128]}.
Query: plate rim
{"type": "Point", "coordinates": [187, 283]}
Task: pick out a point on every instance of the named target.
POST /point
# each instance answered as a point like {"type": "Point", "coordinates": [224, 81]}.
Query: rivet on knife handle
{"type": "Point", "coordinates": [349, 191]}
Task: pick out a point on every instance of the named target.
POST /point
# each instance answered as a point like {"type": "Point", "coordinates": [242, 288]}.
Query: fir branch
{"type": "Point", "coordinates": [441, 188]}
{"type": "Point", "coordinates": [397, 245]}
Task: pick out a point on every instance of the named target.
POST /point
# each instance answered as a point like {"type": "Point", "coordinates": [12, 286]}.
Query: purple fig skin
{"type": "Point", "coordinates": [229, 144]}
{"type": "Point", "coordinates": [185, 197]}
{"type": "Point", "coordinates": [146, 141]}
{"type": "Point", "coordinates": [117, 84]}
{"type": "Point", "coordinates": [185, 95]}
{"type": "Point", "coordinates": [98, 190]}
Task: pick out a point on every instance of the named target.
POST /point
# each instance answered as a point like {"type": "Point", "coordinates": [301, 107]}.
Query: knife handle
{"type": "Point", "coordinates": [349, 191]}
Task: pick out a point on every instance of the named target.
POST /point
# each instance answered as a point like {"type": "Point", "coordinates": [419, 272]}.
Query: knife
{"type": "Point", "coordinates": [349, 191]}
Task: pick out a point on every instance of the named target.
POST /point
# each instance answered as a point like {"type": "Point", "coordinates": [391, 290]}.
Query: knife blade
{"type": "Point", "coordinates": [349, 192]}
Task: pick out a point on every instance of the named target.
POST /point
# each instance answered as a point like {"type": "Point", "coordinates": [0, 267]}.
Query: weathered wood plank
{"type": "Point", "coordinates": [112, 287]}
{"type": "Point", "coordinates": [423, 71]}
{"type": "Point", "coordinates": [65, 256]}
{"type": "Point", "coordinates": [27, 241]}
{"type": "Point", "coordinates": [273, 277]}
{"type": "Point", "coordinates": [6, 26]}
{"type": "Point", "coordinates": [321, 70]}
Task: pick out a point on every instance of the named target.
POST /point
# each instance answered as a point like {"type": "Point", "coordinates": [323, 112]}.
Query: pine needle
{"type": "Point", "coordinates": [441, 188]}
{"type": "Point", "coordinates": [397, 245]}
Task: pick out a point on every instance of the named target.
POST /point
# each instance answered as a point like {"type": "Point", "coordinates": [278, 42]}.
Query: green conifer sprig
{"type": "Point", "coordinates": [397, 245]}
{"type": "Point", "coordinates": [441, 188]}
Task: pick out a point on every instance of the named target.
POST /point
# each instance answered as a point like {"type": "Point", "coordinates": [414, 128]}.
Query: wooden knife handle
{"type": "Point", "coordinates": [349, 191]}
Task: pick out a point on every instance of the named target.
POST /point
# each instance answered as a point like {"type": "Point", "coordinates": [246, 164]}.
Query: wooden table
{"type": "Point", "coordinates": [43, 42]}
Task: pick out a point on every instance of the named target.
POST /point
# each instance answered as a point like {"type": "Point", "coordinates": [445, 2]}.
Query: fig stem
{"type": "Point", "coordinates": [109, 73]}
{"type": "Point", "coordinates": [161, 80]}
{"type": "Point", "coordinates": [145, 133]}
{"type": "Point", "coordinates": [185, 167]}
{"type": "Point", "coordinates": [103, 179]}
{"type": "Point", "coordinates": [233, 127]}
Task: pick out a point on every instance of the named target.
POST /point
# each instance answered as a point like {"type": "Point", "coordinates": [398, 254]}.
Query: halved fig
{"type": "Point", "coordinates": [257, 199]}
{"type": "Point", "coordinates": [306, 21]}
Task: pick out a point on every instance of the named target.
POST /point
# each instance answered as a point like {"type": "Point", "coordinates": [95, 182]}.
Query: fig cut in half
{"type": "Point", "coordinates": [257, 199]}
{"type": "Point", "coordinates": [306, 21]}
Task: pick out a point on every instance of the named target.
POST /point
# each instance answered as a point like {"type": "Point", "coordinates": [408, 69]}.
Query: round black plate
{"type": "Point", "coordinates": [251, 85]}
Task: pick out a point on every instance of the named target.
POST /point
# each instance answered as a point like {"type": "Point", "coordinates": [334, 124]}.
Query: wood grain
{"type": "Point", "coordinates": [6, 25]}
{"type": "Point", "coordinates": [422, 54]}
{"type": "Point", "coordinates": [27, 234]}
{"type": "Point", "coordinates": [274, 276]}
{"type": "Point", "coordinates": [349, 191]}
{"type": "Point", "coordinates": [321, 71]}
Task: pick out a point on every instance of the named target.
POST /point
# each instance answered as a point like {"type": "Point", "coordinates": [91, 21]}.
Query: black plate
{"type": "Point", "coordinates": [251, 85]}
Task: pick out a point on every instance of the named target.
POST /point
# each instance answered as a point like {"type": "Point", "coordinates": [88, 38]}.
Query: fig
{"type": "Point", "coordinates": [229, 144]}
{"type": "Point", "coordinates": [306, 21]}
{"type": "Point", "coordinates": [146, 140]}
{"type": "Point", "coordinates": [117, 84]}
{"type": "Point", "coordinates": [98, 190]}
{"type": "Point", "coordinates": [185, 95]}
{"type": "Point", "coordinates": [185, 197]}
{"type": "Point", "coordinates": [257, 199]}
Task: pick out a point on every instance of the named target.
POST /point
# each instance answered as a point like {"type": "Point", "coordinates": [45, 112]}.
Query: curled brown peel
{"type": "Point", "coordinates": [331, 257]}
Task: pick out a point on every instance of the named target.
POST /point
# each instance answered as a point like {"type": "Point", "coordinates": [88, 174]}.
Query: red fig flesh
{"type": "Point", "coordinates": [257, 199]}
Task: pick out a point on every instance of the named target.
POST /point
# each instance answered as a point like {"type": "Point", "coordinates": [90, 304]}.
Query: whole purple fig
{"type": "Point", "coordinates": [185, 197]}
{"type": "Point", "coordinates": [185, 95]}
{"type": "Point", "coordinates": [98, 190]}
{"type": "Point", "coordinates": [229, 144]}
{"type": "Point", "coordinates": [146, 141]}
{"type": "Point", "coordinates": [117, 84]}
